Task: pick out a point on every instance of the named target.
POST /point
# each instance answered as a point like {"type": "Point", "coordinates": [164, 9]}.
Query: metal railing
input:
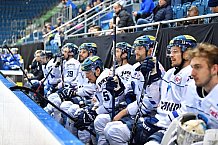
{"type": "Point", "coordinates": [98, 15]}
{"type": "Point", "coordinates": [169, 22]}
{"type": "Point", "coordinates": [78, 17]}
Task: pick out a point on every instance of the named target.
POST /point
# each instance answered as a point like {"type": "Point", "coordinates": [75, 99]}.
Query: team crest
{"type": "Point", "coordinates": [214, 112]}
{"type": "Point", "coordinates": [178, 79]}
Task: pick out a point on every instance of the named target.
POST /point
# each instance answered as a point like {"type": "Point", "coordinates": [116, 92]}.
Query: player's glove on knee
{"type": "Point", "coordinates": [150, 65]}
{"type": "Point", "coordinates": [85, 118]}
{"type": "Point", "coordinates": [66, 93]}
{"type": "Point", "coordinates": [115, 85]}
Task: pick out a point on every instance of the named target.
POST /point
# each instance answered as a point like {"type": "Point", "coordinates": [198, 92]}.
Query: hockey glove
{"type": "Point", "coordinates": [145, 129]}
{"type": "Point", "coordinates": [150, 65]}
{"type": "Point", "coordinates": [85, 118]}
{"type": "Point", "coordinates": [66, 93]}
{"type": "Point", "coordinates": [115, 85]}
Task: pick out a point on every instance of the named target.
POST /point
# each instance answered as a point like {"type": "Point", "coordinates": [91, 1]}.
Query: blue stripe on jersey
{"type": "Point", "coordinates": [175, 114]}
{"type": "Point", "coordinates": [174, 83]}
{"type": "Point", "coordinates": [198, 110]}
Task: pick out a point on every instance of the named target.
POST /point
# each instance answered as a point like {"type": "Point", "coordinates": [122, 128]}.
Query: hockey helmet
{"type": "Point", "coordinates": [90, 47]}
{"type": "Point", "coordinates": [125, 48]}
{"type": "Point", "coordinates": [92, 63]}
{"type": "Point", "coordinates": [146, 40]}
{"type": "Point", "coordinates": [47, 54]}
{"type": "Point", "coordinates": [183, 41]}
{"type": "Point", "coordinates": [73, 49]}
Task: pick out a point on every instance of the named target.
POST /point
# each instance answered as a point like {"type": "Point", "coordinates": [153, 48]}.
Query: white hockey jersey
{"type": "Point", "coordinates": [84, 87]}
{"type": "Point", "coordinates": [104, 97]}
{"type": "Point", "coordinates": [206, 107]}
{"type": "Point", "coordinates": [55, 75]}
{"type": "Point", "coordinates": [151, 95]}
{"type": "Point", "coordinates": [172, 88]}
{"type": "Point", "coordinates": [71, 69]}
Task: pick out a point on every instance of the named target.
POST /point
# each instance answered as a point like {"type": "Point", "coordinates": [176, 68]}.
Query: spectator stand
{"type": "Point", "coordinates": [180, 11]}
{"type": "Point", "coordinates": [173, 22]}
{"type": "Point", "coordinates": [93, 19]}
{"type": "Point", "coordinates": [73, 26]}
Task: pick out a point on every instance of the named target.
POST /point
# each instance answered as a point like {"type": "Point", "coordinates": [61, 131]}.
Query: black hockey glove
{"type": "Point", "coordinates": [85, 118]}
{"type": "Point", "coordinates": [66, 93]}
{"type": "Point", "coordinates": [115, 85]}
{"type": "Point", "coordinates": [150, 65]}
{"type": "Point", "coordinates": [145, 129]}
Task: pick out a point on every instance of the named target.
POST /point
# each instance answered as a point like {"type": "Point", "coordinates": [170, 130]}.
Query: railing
{"type": "Point", "coordinates": [175, 21]}
{"type": "Point", "coordinates": [78, 17]}
{"type": "Point", "coordinates": [98, 15]}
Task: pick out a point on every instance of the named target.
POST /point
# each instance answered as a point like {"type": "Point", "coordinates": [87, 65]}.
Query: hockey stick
{"type": "Point", "coordinates": [114, 62]}
{"type": "Point", "coordinates": [14, 88]}
{"type": "Point", "coordinates": [5, 46]}
{"type": "Point", "coordinates": [144, 87]}
{"type": "Point", "coordinates": [57, 63]}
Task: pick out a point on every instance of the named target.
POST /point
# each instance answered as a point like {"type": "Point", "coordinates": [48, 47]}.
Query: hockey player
{"type": "Point", "coordinates": [123, 71]}
{"type": "Point", "coordinates": [15, 60]}
{"type": "Point", "coordinates": [174, 82]}
{"type": "Point", "coordinates": [82, 95]}
{"type": "Point", "coordinates": [93, 67]}
{"type": "Point", "coordinates": [87, 50]}
{"type": "Point", "coordinates": [37, 84]}
{"type": "Point", "coordinates": [51, 70]}
{"type": "Point", "coordinates": [172, 86]}
{"type": "Point", "coordinates": [71, 68]}
{"type": "Point", "coordinates": [84, 88]}
{"type": "Point", "coordinates": [143, 47]}
{"type": "Point", "coordinates": [201, 94]}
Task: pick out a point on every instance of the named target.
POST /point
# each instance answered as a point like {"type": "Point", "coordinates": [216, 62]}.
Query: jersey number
{"type": "Point", "coordinates": [70, 74]}
{"type": "Point", "coordinates": [106, 96]}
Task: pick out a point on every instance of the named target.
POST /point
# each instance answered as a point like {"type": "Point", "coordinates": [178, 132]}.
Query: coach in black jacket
{"type": "Point", "coordinates": [124, 18]}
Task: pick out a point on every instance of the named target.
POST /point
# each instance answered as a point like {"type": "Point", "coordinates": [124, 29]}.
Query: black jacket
{"type": "Point", "coordinates": [162, 13]}
{"type": "Point", "coordinates": [36, 70]}
{"type": "Point", "coordinates": [125, 19]}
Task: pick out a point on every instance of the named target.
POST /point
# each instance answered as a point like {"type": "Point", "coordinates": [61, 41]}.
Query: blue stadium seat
{"type": "Point", "coordinates": [104, 21]}
{"type": "Point", "coordinates": [185, 8]}
{"type": "Point", "coordinates": [196, 3]}
{"type": "Point", "coordinates": [18, 10]}
{"type": "Point", "coordinates": [179, 12]}
{"type": "Point", "coordinates": [201, 9]}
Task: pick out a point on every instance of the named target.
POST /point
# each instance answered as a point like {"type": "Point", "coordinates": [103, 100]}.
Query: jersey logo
{"type": "Point", "coordinates": [102, 81]}
{"type": "Point", "coordinates": [214, 112]}
{"type": "Point", "coordinates": [125, 75]}
{"type": "Point", "coordinates": [169, 106]}
{"type": "Point", "coordinates": [178, 79]}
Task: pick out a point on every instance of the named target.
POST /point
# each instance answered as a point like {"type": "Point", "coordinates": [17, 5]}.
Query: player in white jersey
{"type": "Point", "coordinates": [143, 47]}
{"type": "Point", "coordinates": [93, 67]}
{"type": "Point", "coordinates": [83, 93]}
{"type": "Point", "coordinates": [200, 96]}
{"type": "Point", "coordinates": [173, 82]}
{"type": "Point", "coordinates": [70, 70]}
{"type": "Point", "coordinates": [50, 70]}
{"type": "Point", "coordinates": [123, 71]}
{"type": "Point", "coordinates": [55, 75]}
{"type": "Point", "coordinates": [71, 66]}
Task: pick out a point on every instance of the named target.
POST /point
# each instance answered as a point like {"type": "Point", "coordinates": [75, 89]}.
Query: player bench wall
{"type": "Point", "coordinates": [22, 122]}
